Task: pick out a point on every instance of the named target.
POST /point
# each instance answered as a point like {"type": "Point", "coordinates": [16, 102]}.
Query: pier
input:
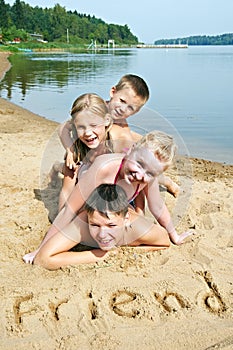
{"type": "Point", "coordinates": [168, 46]}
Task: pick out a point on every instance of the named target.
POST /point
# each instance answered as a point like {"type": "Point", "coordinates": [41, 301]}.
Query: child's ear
{"type": "Point", "coordinates": [112, 91]}
{"type": "Point", "coordinates": [130, 149]}
{"type": "Point", "coordinates": [127, 219]}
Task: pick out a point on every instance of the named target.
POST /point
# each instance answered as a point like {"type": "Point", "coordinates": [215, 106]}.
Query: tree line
{"type": "Point", "coordinates": [223, 39]}
{"type": "Point", "coordinates": [58, 25]}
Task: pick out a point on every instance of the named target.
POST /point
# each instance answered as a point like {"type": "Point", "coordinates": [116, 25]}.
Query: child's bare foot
{"type": "Point", "coordinates": [55, 173]}
{"type": "Point", "coordinates": [28, 258]}
{"type": "Point", "coordinates": [173, 189]}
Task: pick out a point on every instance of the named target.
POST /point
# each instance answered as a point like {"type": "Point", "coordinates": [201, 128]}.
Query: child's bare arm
{"type": "Point", "coordinates": [56, 253]}
{"type": "Point", "coordinates": [139, 203]}
{"type": "Point", "coordinates": [64, 132]}
{"type": "Point", "coordinates": [160, 211]}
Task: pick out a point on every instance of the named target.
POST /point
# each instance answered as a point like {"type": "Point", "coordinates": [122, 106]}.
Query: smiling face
{"type": "Point", "coordinates": [91, 128]}
{"type": "Point", "coordinates": [141, 166]}
{"type": "Point", "coordinates": [124, 103]}
{"type": "Point", "coordinates": [107, 231]}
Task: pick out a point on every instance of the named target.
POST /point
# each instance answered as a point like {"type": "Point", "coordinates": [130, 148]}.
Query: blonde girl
{"type": "Point", "coordinates": [90, 125]}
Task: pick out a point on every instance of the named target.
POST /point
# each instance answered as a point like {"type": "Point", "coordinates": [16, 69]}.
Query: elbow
{"type": "Point", "coordinates": [44, 261]}
{"type": "Point", "coordinates": [168, 243]}
{"type": "Point", "coordinates": [166, 239]}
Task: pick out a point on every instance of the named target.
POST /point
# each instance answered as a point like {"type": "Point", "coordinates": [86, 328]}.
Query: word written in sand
{"type": "Point", "coordinates": [124, 303]}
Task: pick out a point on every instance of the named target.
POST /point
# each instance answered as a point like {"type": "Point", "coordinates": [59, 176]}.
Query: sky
{"type": "Point", "coordinates": [151, 20]}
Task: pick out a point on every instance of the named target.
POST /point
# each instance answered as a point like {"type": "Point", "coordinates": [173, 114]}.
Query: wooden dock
{"type": "Point", "coordinates": [168, 46]}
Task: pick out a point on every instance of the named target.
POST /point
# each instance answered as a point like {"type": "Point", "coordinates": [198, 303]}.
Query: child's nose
{"type": "Point", "coordinates": [140, 176]}
{"type": "Point", "coordinates": [123, 108]}
{"type": "Point", "coordinates": [88, 131]}
{"type": "Point", "coordinates": [102, 232]}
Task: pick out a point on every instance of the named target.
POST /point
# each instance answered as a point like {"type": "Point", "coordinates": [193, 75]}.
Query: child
{"type": "Point", "coordinates": [92, 125]}
{"type": "Point", "coordinates": [126, 99]}
{"type": "Point", "coordinates": [106, 223]}
{"type": "Point", "coordinates": [135, 172]}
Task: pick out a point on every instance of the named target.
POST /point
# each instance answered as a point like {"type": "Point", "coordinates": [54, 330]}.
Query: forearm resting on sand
{"type": "Point", "coordinates": [63, 259]}
{"type": "Point", "coordinates": [63, 218]}
{"type": "Point", "coordinates": [165, 220]}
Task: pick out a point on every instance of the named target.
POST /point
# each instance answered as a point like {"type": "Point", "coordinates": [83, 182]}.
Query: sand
{"type": "Point", "coordinates": [179, 298]}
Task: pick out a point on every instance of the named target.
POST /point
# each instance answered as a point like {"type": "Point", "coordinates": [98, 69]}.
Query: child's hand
{"type": "Point", "coordinates": [29, 258]}
{"type": "Point", "coordinates": [70, 163]}
{"type": "Point", "coordinates": [179, 239]}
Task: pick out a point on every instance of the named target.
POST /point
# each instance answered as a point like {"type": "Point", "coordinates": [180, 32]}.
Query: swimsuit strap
{"type": "Point", "coordinates": [116, 178]}
{"type": "Point", "coordinates": [118, 172]}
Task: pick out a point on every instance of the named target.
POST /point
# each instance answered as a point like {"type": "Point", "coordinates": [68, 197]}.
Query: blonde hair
{"type": "Point", "coordinates": [161, 144]}
{"type": "Point", "coordinates": [136, 83]}
{"type": "Point", "coordinates": [96, 105]}
{"type": "Point", "coordinates": [91, 102]}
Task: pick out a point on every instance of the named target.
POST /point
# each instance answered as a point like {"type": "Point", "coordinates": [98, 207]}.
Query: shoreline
{"type": "Point", "coordinates": [5, 63]}
{"type": "Point", "coordinates": [161, 298]}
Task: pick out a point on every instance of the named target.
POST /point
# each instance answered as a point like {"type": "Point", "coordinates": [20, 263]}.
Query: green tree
{"type": "Point", "coordinates": [58, 21]}
{"type": "Point", "coordinates": [13, 32]}
{"type": "Point", "coordinates": [54, 22]}
{"type": "Point", "coordinates": [18, 14]}
{"type": "Point", "coordinates": [4, 15]}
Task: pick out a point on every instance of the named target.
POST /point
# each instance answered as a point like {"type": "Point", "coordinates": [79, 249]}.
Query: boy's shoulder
{"type": "Point", "coordinates": [118, 130]}
{"type": "Point", "coordinates": [121, 138]}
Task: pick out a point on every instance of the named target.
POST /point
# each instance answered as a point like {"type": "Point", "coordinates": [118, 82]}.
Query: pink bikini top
{"type": "Point", "coordinates": [116, 178]}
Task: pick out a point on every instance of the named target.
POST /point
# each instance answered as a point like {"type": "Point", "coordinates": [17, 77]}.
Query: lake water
{"type": "Point", "coordinates": [191, 90]}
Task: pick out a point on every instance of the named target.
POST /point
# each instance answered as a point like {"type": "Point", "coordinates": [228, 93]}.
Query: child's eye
{"type": "Point", "coordinates": [94, 225]}
{"type": "Point", "coordinates": [150, 174]}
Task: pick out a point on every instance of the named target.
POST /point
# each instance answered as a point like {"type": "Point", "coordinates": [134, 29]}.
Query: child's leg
{"type": "Point", "coordinates": [69, 181]}
{"type": "Point", "coordinates": [171, 186]}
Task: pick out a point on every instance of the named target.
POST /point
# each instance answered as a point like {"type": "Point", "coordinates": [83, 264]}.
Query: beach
{"type": "Point", "coordinates": [179, 298]}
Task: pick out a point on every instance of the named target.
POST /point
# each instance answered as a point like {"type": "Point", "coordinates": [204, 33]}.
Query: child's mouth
{"type": "Point", "coordinates": [117, 114]}
{"type": "Point", "coordinates": [91, 140]}
{"type": "Point", "coordinates": [105, 242]}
